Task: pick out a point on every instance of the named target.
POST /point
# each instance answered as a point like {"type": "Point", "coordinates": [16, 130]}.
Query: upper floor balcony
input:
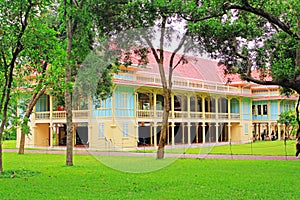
{"type": "Point", "coordinates": [83, 115]}
{"type": "Point", "coordinates": [184, 115]}
{"type": "Point", "coordinates": [184, 83]}
{"type": "Point", "coordinates": [60, 116]}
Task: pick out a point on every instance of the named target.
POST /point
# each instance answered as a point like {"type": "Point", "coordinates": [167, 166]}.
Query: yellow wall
{"type": "Point", "coordinates": [41, 135]}
{"type": "Point", "coordinates": [246, 137]}
{"type": "Point", "coordinates": [238, 133]}
{"type": "Point", "coordinates": [113, 136]}
{"type": "Point", "coordinates": [29, 139]}
{"type": "Point", "coordinates": [235, 132]}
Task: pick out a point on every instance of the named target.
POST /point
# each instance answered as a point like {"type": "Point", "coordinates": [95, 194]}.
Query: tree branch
{"type": "Point", "coordinates": [260, 12]}
{"type": "Point", "coordinates": [203, 18]}
{"type": "Point", "coordinates": [176, 51]}
{"type": "Point", "coordinates": [152, 49]}
{"type": "Point", "coordinates": [181, 59]}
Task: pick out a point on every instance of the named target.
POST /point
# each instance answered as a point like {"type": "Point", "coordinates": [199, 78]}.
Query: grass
{"type": "Point", "coordinates": [9, 144]}
{"type": "Point", "coordinates": [180, 179]}
{"type": "Point", "coordinates": [272, 148]}
{"type": "Point", "coordinates": [42, 176]}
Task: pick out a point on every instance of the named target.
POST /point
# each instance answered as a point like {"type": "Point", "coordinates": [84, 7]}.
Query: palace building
{"type": "Point", "coordinates": [205, 108]}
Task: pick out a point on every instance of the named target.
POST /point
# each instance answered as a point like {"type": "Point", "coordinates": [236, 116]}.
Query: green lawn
{"type": "Point", "coordinates": [256, 148]}
{"type": "Point", "coordinates": [9, 144]}
{"type": "Point", "coordinates": [181, 179]}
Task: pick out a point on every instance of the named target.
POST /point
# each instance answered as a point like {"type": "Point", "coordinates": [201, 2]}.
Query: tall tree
{"type": "Point", "coordinates": [44, 70]}
{"type": "Point", "coordinates": [17, 19]}
{"type": "Point", "coordinates": [248, 35]}
{"type": "Point", "coordinates": [78, 17]}
{"type": "Point", "coordinates": [77, 25]}
{"type": "Point", "coordinates": [148, 27]}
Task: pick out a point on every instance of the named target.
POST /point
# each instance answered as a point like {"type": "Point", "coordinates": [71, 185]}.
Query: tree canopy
{"type": "Point", "coordinates": [253, 35]}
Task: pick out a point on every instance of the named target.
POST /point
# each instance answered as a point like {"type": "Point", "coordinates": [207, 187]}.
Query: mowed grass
{"type": "Point", "coordinates": [273, 148]}
{"type": "Point", "coordinates": [9, 144]}
{"type": "Point", "coordinates": [270, 148]}
{"type": "Point", "coordinates": [182, 179]}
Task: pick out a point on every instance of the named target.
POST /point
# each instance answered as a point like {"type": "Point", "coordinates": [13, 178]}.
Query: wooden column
{"type": "Point", "coordinates": [155, 133]}
{"type": "Point", "coordinates": [154, 105]}
{"type": "Point", "coordinates": [229, 131]}
{"type": "Point", "coordinates": [172, 106]}
{"type": "Point", "coordinates": [203, 106]}
{"type": "Point", "coordinates": [189, 132]}
{"type": "Point", "coordinates": [217, 132]}
{"type": "Point", "coordinates": [172, 132]}
{"type": "Point", "coordinates": [229, 109]}
{"type": "Point", "coordinates": [203, 132]}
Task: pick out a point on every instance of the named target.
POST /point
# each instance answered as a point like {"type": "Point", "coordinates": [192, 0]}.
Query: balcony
{"type": "Point", "coordinates": [61, 115]}
{"type": "Point", "coordinates": [150, 114]}
{"type": "Point", "coordinates": [190, 84]}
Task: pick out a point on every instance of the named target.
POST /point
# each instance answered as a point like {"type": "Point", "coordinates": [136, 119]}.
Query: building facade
{"type": "Point", "coordinates": [205, 108]}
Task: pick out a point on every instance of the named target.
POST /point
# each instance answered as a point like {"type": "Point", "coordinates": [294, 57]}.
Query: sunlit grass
{"type": "Point", "coordinates": [9, 144]}
{"type": "Point", "coordinates": [273, 148]}
{"type": "Point", "coordinates": [182, 179]}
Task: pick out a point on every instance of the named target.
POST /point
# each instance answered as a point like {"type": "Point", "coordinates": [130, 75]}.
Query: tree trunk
{"type": "Point", "coordinates": [4, 118]}
{"type": "Point", "coordinates": [35, 97]}
{"type": "Point", "coordinates": [8, 86]}
{"type": "Point", "coordinates": [165, 125]}
{"type": "Point", "coordinates": [1, 167]}
{"type": "Point", "coordinates": [22, 143]}
{"type": "Point", "coordinates": [297, 62]}
{"type": "Point", "coordinates": [68, 98]}
{"type": "Point", "coordinates": [297, 117]}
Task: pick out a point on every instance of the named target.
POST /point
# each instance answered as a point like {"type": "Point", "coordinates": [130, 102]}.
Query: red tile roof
{"type": "Point", "coordinates": [193, 68]}
{"type": "Point", "coordinates": [198, 68]}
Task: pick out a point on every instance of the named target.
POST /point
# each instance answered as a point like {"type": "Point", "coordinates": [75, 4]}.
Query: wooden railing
{"type": "Point", "coordinates": [190, 83]}
{"type": "Point", "coordinates": [42, 115]}
{"type": "Point", "coordinates": [144, 114]}
{"type": "Point", "coordinates": [150, 114]}
{"type": "Point", "coordinates": [61, 115]}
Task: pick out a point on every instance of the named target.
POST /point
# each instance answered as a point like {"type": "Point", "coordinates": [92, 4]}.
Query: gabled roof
{"type": "Point", "coordinates": [235, 79]}
{"type": "Point", "coordinates": [192, 67]}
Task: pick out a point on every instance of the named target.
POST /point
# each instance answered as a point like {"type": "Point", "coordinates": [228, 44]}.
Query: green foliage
{"type": "Point", "coordinates": [289, 119]}
{"type": "Point", "coordinates": [252, 35]}
{"type": "Point", "coordinates": [40, 60]}
{"type": "Point", "coordinates": [10, 133]}
{"type": "Point", "coordinates": [95, 75]}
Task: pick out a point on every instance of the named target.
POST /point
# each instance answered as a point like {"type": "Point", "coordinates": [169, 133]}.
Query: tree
{"type": "Point", "coordinates": [45, 70]}
{"type": "Point", "coordinates": [288, 118]}
{"type": "Point", "coordinates": [247, 36]}
{"type": "Point", "coordinates": [77, 25]}
{"type": "Point", "coordinates": [147, 27]}
{"type": "Point", "coordinates": [17, 21]}
{"type": "Point", "coordinates": [78, 19]}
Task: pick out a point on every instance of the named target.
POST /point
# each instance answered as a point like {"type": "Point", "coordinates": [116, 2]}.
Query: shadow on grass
{"type": "Point", "coordinates": [19, 173]}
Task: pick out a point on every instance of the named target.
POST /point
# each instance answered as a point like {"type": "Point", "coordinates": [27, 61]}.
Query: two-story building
{"type": "Point", "coordinates": [205, 108]}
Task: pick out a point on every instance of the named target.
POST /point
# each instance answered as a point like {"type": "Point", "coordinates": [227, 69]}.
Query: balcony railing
{"type": "Point", "coordinates": [61, 115]}
{"type": "Point", "coordinates": [42, 115]}
{"type": "Point", "coordinates": [150, 114]}
{"type": "Point", "coordinates": [188, 83]}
